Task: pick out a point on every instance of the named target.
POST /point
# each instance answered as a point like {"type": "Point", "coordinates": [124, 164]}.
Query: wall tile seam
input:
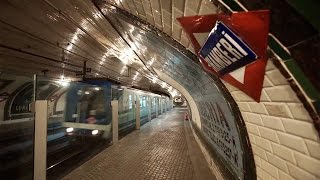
{"type": "Point", "coordinates": [261, 100]}
{"type": "Point", "coordinates": [270, 70]}
{"type": "Point", "coordinates": [252, 125]}
{"type": "Point", "coordinates": [243, 110]}
{"type": "Point", "coordinates": [263, 117]}
{"type": "Point", "coordinates": [296, 166]}
{"type": "Point", "coordinates": [272, 151]}
{"type": "Point", "coordinates": [267, 78]}
{"type": "Point", "coordinates": [303, 138]}
{"type": "Point", "coordinates": [274, 68]}
{"type": "Point", "coordinates": [257, 114]}
{"type": "Point", "coordinates": [299, 153]}
{"type": "Point", "coordinates": [278, 86]}
{"type": "Point", "coordinates": [290, 95]}
{"type": "Point", "coordinates": [263, 92]}
{"type": "Point", "coordinates": [264, 171]}
{"type": "Point", "coordinates": [306, 122]}
{"type": "Point", "coordinates": [286, 173]}
{"type": "Point", "coordinates": [268, 163]}
{"type": "Point", "coordinates": [261, 104]}
{"type": "Point", "coordinates": [260, 113]}
{"type": "Point", "coordinates": [286, 148]}
{"type": "Point", "coordinates": [286, 162]}
{"type": "Point", "coordinates": [257, 160]}
{"type": "Point", "coordinates": [267, 150]}
{"type": "Point", "coordinates": [279, 103]}
{"type": "Point", "coordinates": [273, 80]}
{"type": "Point", "coordinates": [310, 151]}
{"type": "Point", "coordinates": [256, 150]}
{"type": "Point", "coordinates": [306, 152]}
{"type": "Point", "coordinates": [245, 120]}
{"type": "Point", "coordinates": [309, 118]}
{"type": "Point", "coordinates": [252, 139]}
{"type": "Point", "coordinates": [162, 17]}
{"type": "Point", "coordinates": [242, 103]}
{"type": "Point", "coordinates": [269, 103]}
{"type": "Point", "coordinates": [234, 90]}
{"type": "Point", "coordinates": [264, 88]}
{"type": "Point", "coordinates": [263, 126]}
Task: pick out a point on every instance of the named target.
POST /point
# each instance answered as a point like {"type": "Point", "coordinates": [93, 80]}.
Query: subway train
{"type": "Point", "coordinates": [79, 118]}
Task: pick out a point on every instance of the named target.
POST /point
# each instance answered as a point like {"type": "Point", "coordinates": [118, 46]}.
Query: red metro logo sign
{"type": "Point", "coordinates": [235, 49]}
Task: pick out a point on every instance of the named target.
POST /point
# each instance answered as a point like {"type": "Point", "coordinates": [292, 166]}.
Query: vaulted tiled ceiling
{"type": "Point", "coordinates": [59, 36]}
{"type": "Point", "coordinates": [163, 14]}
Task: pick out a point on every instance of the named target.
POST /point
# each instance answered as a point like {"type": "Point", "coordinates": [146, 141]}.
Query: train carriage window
{"type": "Point", "coordinates": [144, 100]}
{"type": "Point", "coordinates": [130, 101]}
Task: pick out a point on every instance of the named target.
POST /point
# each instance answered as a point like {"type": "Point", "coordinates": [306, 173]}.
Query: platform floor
{"type": "Point", "coordinates": [163, 149]}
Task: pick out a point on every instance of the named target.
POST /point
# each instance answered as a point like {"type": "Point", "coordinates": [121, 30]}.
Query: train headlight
{"type": "Point", "coordinates": [95, 132]}
{"type": "Point", "coordinates": [69, 130]}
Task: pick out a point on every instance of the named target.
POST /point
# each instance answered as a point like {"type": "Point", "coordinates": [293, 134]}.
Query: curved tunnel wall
{"type": "Point", "coordinates": [215, 119]}
{"type": "Point", "coordinates": [284, 141]}
{"type": "Point", "coordinates": [219, 127]}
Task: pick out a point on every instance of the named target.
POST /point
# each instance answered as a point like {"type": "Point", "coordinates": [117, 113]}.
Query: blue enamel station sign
{"type": "Point", "coordinates": [224, 51]}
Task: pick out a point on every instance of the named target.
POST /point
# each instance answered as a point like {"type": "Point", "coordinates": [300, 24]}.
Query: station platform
{"type": "Point", "coordinates": [162, 149]}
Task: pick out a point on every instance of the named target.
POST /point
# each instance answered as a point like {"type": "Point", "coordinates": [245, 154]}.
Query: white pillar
{"type": "Point", "coordinates": [160, 102]}
{"type": "Point", "coordinates": [40, 139]}
{"type": "Point", "coordinates": [165, 105]}
{"type": "Point", "coordinates": [149, 109]}
{"type": "Point", "coordinates": [156, 106]}
{"type": "Point", "coordinates": [115, 121]}
{"type": "Point", "coordinates": [138, 113]}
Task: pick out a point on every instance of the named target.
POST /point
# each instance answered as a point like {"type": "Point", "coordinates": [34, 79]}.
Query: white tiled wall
{"type": "Point", "coordinates": [284, 141]}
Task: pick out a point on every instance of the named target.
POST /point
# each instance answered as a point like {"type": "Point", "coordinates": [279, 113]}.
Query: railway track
{"type": "Point", "coordinates": [64, 154]}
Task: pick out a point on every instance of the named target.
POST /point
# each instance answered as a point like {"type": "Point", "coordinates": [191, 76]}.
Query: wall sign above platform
{"type": "Point", "coordinates": [250, 32]}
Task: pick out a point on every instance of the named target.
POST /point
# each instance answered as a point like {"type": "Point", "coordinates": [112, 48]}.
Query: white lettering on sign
{"type": "Point", "coordinates": [225, 51]}
{"type": "Point", "coordinates": [235, 43]}
{"type": "Point", "coordinates": [221, 56]}
{"type": "Point", "coordinates": [22, 108]}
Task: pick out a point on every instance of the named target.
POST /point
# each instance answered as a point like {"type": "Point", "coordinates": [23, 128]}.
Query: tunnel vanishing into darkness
{"type": "Point", "coordinates": [137, 53]}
